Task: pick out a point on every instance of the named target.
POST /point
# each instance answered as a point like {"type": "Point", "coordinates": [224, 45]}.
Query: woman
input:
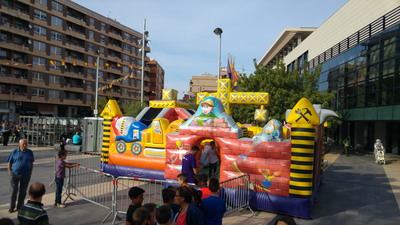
{"type": "Point", "coordinates": [189, 214]}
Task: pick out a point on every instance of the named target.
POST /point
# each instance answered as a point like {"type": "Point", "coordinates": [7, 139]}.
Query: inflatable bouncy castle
{"type": "Point", "coordinates": [284, 166]}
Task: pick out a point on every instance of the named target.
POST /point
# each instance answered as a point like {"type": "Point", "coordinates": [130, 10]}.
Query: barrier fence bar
{"type": "Point", "coordinates": [236, 193]}
{"type": "Point", "coordinates": [93, 186]}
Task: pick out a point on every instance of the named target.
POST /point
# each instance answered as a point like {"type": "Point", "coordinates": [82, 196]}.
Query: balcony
{"type": "Point", "coordinates": [77, 102]}
{"type": "Point", "coordinates": [18, 13]}
{"type": "Point", "coordinates": [13, 96]}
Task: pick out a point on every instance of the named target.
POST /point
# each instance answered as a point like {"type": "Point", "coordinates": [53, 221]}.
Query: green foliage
{"type": "Point", "coordinates": [191, 103]}
{"type": "Point", "coordinates": [101, 103]}
{"type": "Point", "coordinates": [133, 108]}
{"type": "Point", "coordinates": [285, 90]}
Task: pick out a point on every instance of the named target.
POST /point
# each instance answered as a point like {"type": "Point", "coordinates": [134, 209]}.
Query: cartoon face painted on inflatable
{"type": "Point", "coordinates": [271, 132]}
{"type": "Point", "coordinates": [207, 107]}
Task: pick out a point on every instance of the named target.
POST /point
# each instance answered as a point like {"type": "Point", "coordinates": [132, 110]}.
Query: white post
{"type": "Point", "coordinates": [143, 55]}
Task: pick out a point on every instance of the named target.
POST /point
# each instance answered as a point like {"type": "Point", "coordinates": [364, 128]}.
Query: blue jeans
{"type": "Point", "coordinates": [22, 182]}
{"type": "Point", "coordinates": [59, 188]}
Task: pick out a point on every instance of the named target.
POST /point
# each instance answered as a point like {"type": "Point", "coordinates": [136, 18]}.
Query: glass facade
{"type": "Point", "coordinates": [366, 75]}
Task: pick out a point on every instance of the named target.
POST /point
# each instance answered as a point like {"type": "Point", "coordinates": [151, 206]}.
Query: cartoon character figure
{"type": "Point", "coordinates": [268, 177]}
{"type": "Point", "coordinates": [207, 116]}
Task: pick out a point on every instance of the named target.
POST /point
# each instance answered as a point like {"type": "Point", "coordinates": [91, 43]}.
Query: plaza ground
{"type": "Point", "coordinates": [354, 191]}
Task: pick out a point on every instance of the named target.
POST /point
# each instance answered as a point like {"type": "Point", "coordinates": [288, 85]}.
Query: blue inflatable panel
{"type": "Point", "coordinates": [133, 172]}
{"type": "Point", "coordinates": [297, 207]}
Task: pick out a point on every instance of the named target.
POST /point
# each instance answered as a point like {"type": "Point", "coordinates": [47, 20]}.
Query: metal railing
{"type": "Point", "coordinates": [236, 193]}
{"type": "Point", "coordinates": [111, 192]}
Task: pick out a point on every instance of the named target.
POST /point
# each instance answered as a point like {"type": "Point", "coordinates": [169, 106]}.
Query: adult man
{"type": "Point", "coordinates": [32, 212]}
{"type": "Point", "coordinates": [20, 165]}
{"type": "Point", "coordinates": [76, 139]}
{"type": "Point", "coordinates": [189, 163]}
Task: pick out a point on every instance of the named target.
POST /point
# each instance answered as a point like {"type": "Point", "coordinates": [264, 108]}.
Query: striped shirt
{"type": "Point", "coordinates": [32, 213]}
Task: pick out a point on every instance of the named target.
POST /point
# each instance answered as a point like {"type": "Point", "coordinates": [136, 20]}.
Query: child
{"type": "Point", "coordinates": [60, 175]}
{"type": "Point", "coordinates": [183, 182]}
{"type": "Point", "coordinates": [152, 209]}
{"type": "Point", "coordinates": [168, 196]}
{"type": "Point", "coordinates": [214, 206]}
{"type": "Point", "coordinates": [163, 215]}
{"type": "Point", "coordinates": [136, 196]}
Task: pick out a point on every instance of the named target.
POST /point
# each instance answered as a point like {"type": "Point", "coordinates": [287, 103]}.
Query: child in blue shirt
{"type": "Point", "coordinates": [214, 206]}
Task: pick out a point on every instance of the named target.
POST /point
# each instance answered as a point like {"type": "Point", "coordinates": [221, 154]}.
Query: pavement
{"type": "Point", "coordinates": [354, 191]}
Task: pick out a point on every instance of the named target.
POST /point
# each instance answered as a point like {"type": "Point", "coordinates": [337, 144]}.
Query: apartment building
{"type": "Point", "coordinates": [358, 52]}
{"type": "Point", "coordinates": [156, 75]}
{"type": "Point", "coordinates": [48, 59]}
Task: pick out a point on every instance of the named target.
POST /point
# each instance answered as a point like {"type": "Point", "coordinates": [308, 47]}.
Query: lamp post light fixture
{"type": "Point", "coordinates": [218, 31]}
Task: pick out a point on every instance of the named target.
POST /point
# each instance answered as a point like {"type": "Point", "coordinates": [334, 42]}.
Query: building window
{"type": "Point", "coordinates": [39, 30]}
{"type": "Point", "coordinates": [42, 2]}
{"type": "Point", "coordinates": [127, 36]}
{"type": "Point", "coordinates": [38, 92]}
{"type": "Point", "coordinates": [91, 21]}
{"type": "Point", "coordinates": [56, 21]}
{"type": "Point", "coordinates": [127, 47]}
{"type": "Point", "coordinates": [102, 38]}
{"type": "Point", "coordinates": [55, 35]}
{"type": "Point", "coordinates": [101, 49]}
{"type": "Point", "coordinates": [91, 34]}
{"type": "Point", "coordinates": [40, 15]}
{"type": "Point", "coordinates": [38, 60]}
{"type": "Point", "coordinates": [56, 6]}
{"type": "Point", "coordinates": [54, 79]}
{"type": "Point", "coordinates": [88, 98]}
{"type": "Point", "coordinates": [54, 94]}
{"type": "Point", "coordinates": [102, 26]}
{"type": "Point", "coordinates": [125, 69]}
{"type": "Point", "coordinates": [40, 46]}
{"type": "Point", "coordinates": [90, 60]}
{"type": "Point", "coordinates": [55, 65]}
{"type": "Point", "coordinates": [90, 47]}
{"type": "Point", "coordinates": [38, 76]}
{"type": "Point", "coordinates": [55, 50]}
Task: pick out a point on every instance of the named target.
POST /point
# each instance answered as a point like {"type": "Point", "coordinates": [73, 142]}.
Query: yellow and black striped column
{"type": "Point", "coordinates": [303, 118]}
{"type": "Point", "coordinates": [302, 159]}
{"type": "Point", "coordinates": [110, 111]}
{"type": "Point", "coordinates": [105, 147]}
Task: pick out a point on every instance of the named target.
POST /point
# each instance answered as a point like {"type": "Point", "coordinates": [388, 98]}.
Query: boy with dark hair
{"type": "Point", "coordinates": [214, 206]}
{"type": "Point", "coordinates": [152, 209]}
{"type": "Point", "coordinates": [168, 195]}
{"type": "Point", "coordinates": [183, 179]}
{"type": "Point", "coordinates": [60, 175]}
{"type": "Point", "coordinates": [202, 185]}
{"type": "Point", "coordinates": [32, 212]}
{"type": "Point", "coordinates": [141, 216]}
{"type": "Point", "coordinates": [163, 215]}
{"type": "Point", "coordinates": [136, 196]}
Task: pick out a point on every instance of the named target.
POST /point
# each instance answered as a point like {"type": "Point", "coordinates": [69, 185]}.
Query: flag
{"type": "Point", "coordinates": [231, 70]}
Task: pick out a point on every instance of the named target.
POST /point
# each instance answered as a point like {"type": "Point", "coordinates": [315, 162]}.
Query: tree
{"type": "Point", "coordinates": [133, 108]}
{"type": "Point", "coordinates": [285, 89]}
{"type": "Point", "coordinates": [101, 103]}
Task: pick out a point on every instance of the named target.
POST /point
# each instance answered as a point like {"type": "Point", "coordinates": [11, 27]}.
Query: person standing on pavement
{"type": "Point", "coordinates": [189, 165]}
{"type": "Point", "coordinates": [20, 165]}
{"type": "Point", "coordinates": [32, 212]}
{"type": "Point", "coordinates": [6, 132]}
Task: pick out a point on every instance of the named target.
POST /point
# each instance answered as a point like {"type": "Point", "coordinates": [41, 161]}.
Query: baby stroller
{"type": "Point", "coordinates": [379, 152]}
{"type": "Point", "coordinates": [380, 157]}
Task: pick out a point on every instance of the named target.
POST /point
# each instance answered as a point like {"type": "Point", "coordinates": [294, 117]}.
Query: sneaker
{"type": "Point", "coordinates": [61, 206]}
{"type": "Point", "coordinates": [11, 210]}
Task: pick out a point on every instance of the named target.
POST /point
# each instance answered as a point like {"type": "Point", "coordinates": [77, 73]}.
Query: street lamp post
{"type": "Point", "coordinates": [95, 111]}
{"type": "Point", "coordinates": [218, 31]}
{"type": "Point", "coordinates": [145, 33]}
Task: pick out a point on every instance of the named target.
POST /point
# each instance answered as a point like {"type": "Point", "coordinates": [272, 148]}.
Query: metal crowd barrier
{"type": "Point", "coordinates": [111, 192]}
{"type": "Point", "coordinates": [93, 186]}
{"type": "Point", "coordinates": [236, 193]}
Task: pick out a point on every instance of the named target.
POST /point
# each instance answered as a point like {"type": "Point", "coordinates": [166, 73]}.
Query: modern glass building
{"type": "Point", "coordinates": [358, 49]}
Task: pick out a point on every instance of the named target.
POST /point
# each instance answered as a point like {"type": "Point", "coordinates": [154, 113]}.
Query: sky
{"type": "Point", "coordinates": [181, 31]}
